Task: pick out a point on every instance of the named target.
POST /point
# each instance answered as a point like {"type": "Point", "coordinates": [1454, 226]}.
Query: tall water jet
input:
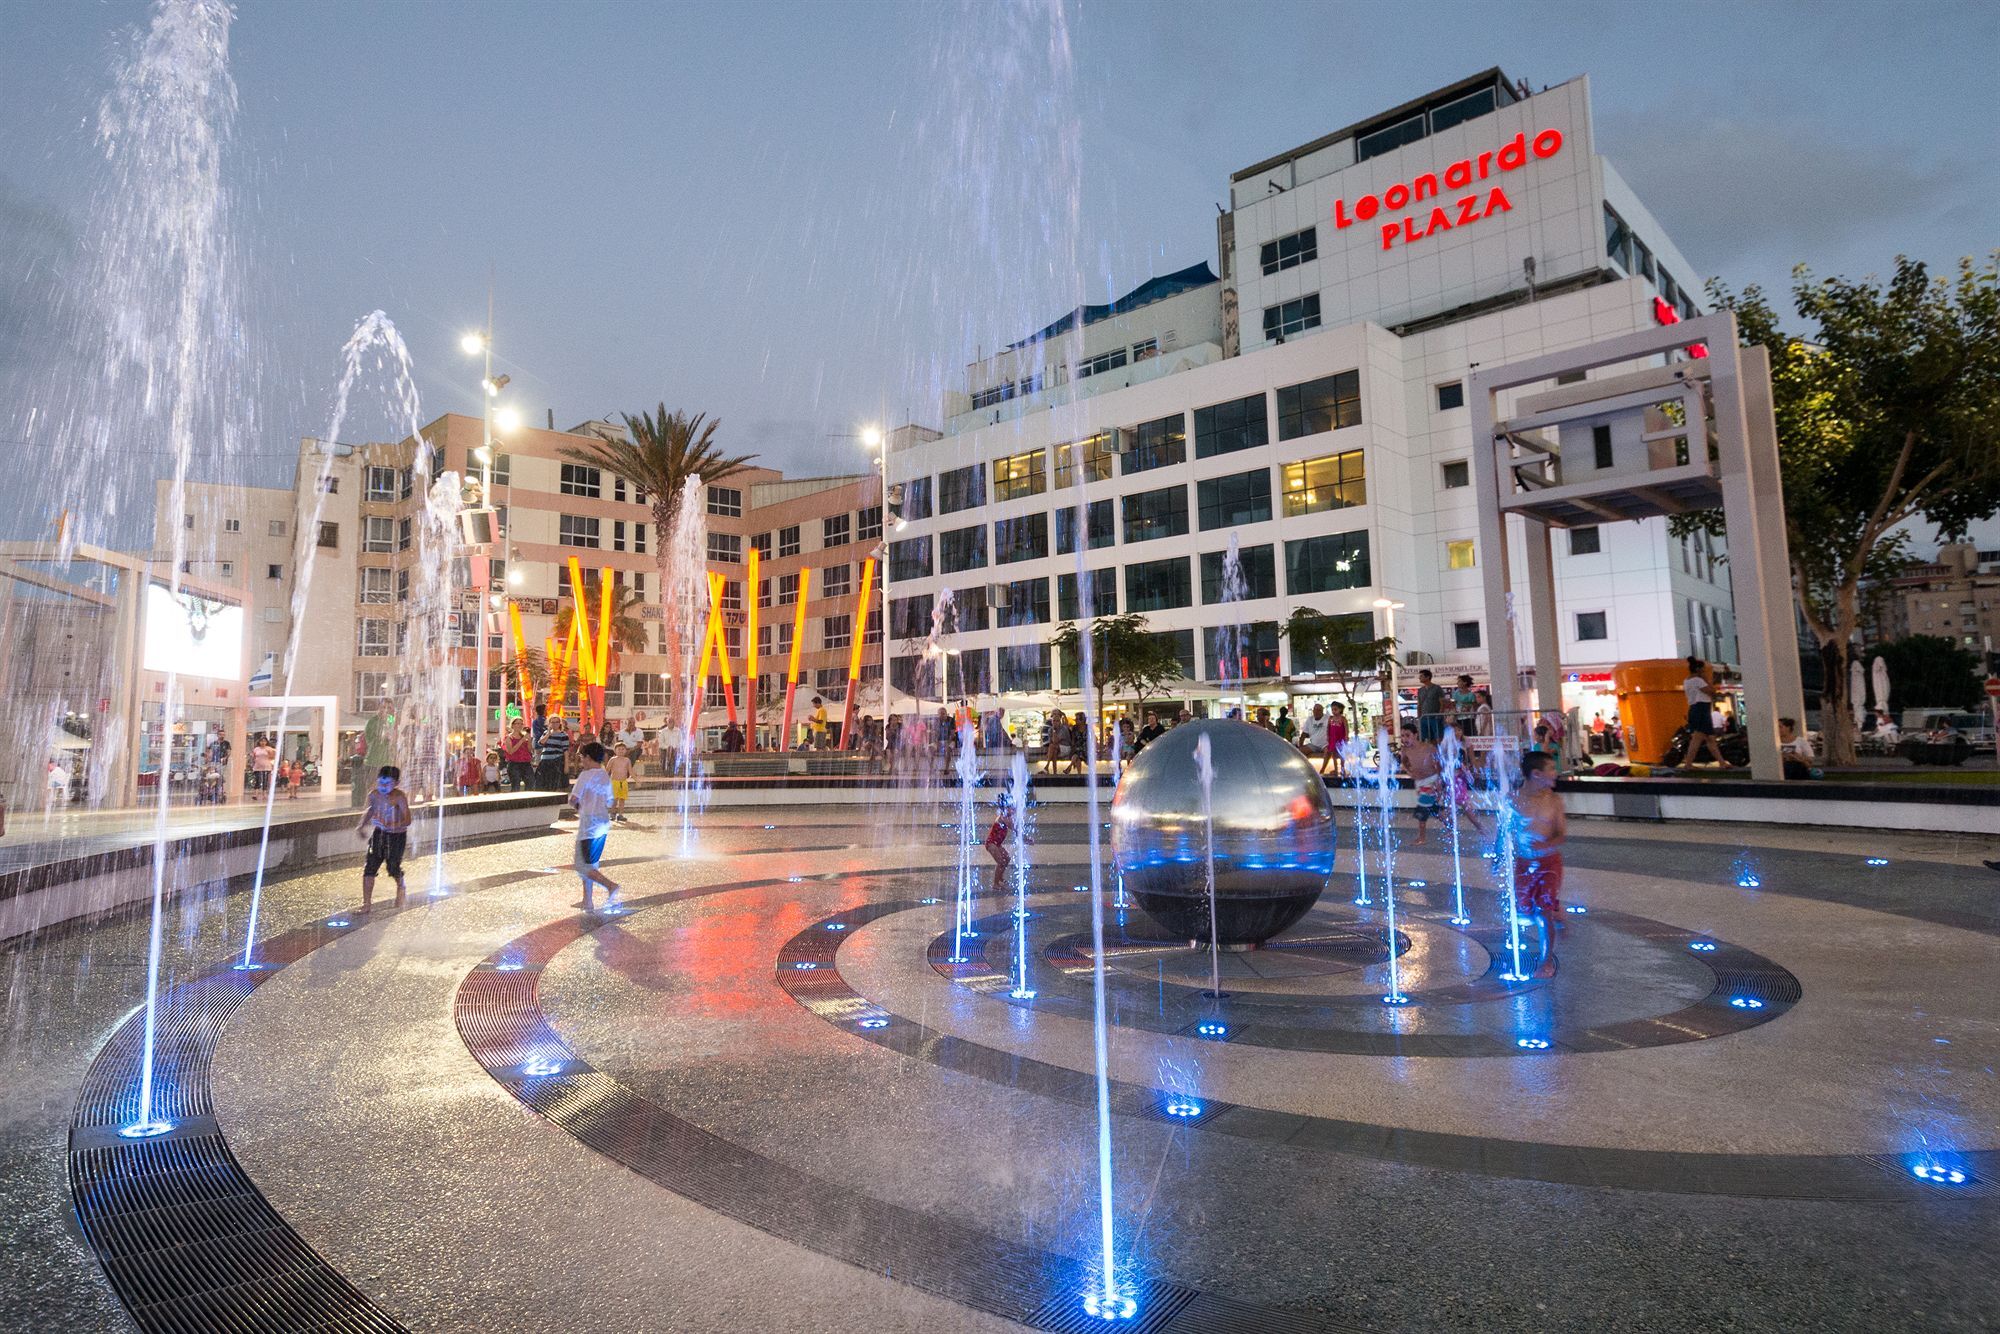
{"type": "Point", "coordinates": [684, 607]}
{"type": "Point", "coordinates": [1353, 757]}
{"type": "Point", "coordinates": [163, 253]}
{"type": "Point", "coordinates": [1018, 804]}
{"type": "Point", "coordinates": [1502, 767]}
{"type": "Point", "coordinates": [1204, 772]}
{"type": "Point", "coordinates": [1451, 757]}
{"type": "Point", "coordinates": [1385, 792]}
{"type": "Point", "coordinates": [374, 334]}
{"type": "Point", "coordinates": [968, 839]}
{"type": "Point", "coordinates": [1229, 641]}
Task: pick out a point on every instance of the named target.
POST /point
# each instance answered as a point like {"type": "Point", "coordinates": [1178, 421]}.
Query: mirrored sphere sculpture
{"type": "Point", "coordinates": [1273, 829]}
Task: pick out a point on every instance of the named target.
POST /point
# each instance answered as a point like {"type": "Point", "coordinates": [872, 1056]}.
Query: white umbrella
{"type": "Point", "coordinates": [1881, 675]}
{"type": "Point", "coordinates": [1855, 688]}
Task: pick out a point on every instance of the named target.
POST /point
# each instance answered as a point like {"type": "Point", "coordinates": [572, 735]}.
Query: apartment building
{"type": "Point", "coordinates": [1304, 401]}
{"type": "Point", "coordinates": [1955, 597]}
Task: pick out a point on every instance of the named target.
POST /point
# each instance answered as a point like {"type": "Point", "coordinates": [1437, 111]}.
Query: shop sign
{"type": "Point", "coordinates": [1484, 202]}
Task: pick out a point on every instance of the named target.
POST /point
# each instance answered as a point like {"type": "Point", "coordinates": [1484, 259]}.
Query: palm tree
{"type": "Point", "coordinates": [663, 451]}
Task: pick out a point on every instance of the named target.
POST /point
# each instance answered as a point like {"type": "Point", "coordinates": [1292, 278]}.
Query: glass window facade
{"type": "Point", "coordinates": [1326, 404]}
{"type": "Point", "coordinates": [910, 558]}
{"type": "Point", "coordinates": [1091, 456]}
{"type": "Point", "coordinates": [1155, 514]}
{"type": "Point", "coordinates": [1240, 498]}
{"type": "Point", "coordinates": [961, 489]}
{"type": "Point", "coordinates": [1025, 537]}
{"type": "Point", "coordinates": [1103, 599]}
{"type": "Point", "coordinates": [1098, 520]}
{"type": "Point", "coordinates": [1330, 482]}
{"type": "Point", "coordinates": [962, 549]}
{"type": "Point", "coordinates": [1224, 428]}
{"type": "Point", "coordinates": [1155, 444]}
{"type": "Point", "coordinates": [1260, 573]}
{"type": "Point", "coordinates": [1158, 585]}
{"type": "Point", "coordinates": [1327, 564]}
{"type": "Point", "coordinates": [1023, 474]}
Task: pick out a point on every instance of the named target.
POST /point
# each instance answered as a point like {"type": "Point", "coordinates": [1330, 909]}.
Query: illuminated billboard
{"type": "Point", "coordinates": [191, 635]}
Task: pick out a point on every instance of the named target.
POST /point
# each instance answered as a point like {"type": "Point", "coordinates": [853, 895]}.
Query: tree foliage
{"type": "Point", "coordinates": [1927, 671]}
{"type": "Point", "coordinates": [1126, 658]}
{"type": "Point", "coordinates": [663, 450]}
{"type": "Point", "coordinates": [1886, 408]}
{"type": "Point", "coordinates": [1329, 641]}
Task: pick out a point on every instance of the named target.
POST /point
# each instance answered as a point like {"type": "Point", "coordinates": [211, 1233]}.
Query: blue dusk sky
{"type": "Point", "coordinates": [804, 216]}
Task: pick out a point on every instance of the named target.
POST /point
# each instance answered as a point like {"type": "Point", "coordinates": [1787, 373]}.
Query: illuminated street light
{"type": "Point", "coordinates": [507, 420]}
{"type": "Point", "coordinates": [472, 344]}
{"type": "Point", "coordinates": [1395, 700]}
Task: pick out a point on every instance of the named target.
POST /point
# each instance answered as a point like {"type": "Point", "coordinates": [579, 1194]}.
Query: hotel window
{"type": "Point", "coordinates": [372, 638]}
{"type": "Point", "coordinates": [1158, 585]}
{"type": "Point", "coordinates": [1153, 514]}
{"type": "Point", "coordinates": [1326, 404]}
{"type": "Point", "coordinates": [1389, 138]}
{"type": "Point", "coordinates": [834, 529]}
{"type": "Point", "coordinates": [1455, 474]}
{"type": "Point", "coordinates": [782, 638]}
{"type": "Point", "coordinates": [1465, 634]}
{"type": "Point", "coordinates": [617, 534]}
{"type": "Point", "coordinates": [1101, 530]}
{"type": "Point", "coordinates": [649, 690]}
{"type": "Point", "coordinates": [377, 585]}
{"type": "Point", "coordinates": [382, 484]}
{"type": "Point", "coordinates": [1024, 667]}
{"type": "Point", "coordinates": [329, 535]}
{"type": "Point", "coordinates": [910, 618]}
{"type": "Point", "coordinates": [962, 549]}
{"type": "Point", "coordinates": [1585, 541]}
{"type": "Point", "coordinates": [724, 500]}
{"type": "Point", "coordinates": [1093, 456]}
{"type": "Point", "coordinates": [788, 541]}
{"type": "Point", "coordinates": [403, 535]}
{"type": "Point", "coordinates": [1146, 350]}
{"type": "Point", "coordinates": [836, 581]}
{"type": "Point", "coordinates": [575, 530]}
{"type": "Point", "coordinates": [1292, 317]}
{"type": "Point", "coordinates": [1327, 564]}
{"type": "Point", "coordinates": [1260, 573]}
{"type": "Point", "coordinates": [1225, 428]}
{"type": "Point", "coordinates": [961, 489]}
{"type": "Point", "coordinates": [1349, 627]}
{"type": "Point", "coordinates": [503, 470]}
{"type": "Point", "coordinates": [1332, 482]}
{"type": "Point", "coordinates": [763, 592]}
{"type": "Point", "coordinates": [872, 634]}
{"type": "Point", "coordinates": [830, 683]}
{"type": "Point", "coordinates": [1600, 445]}
{"type": "Point", "coordinates": [1102, 586]}
{"type": "Point", "coordinates": [1288, 252]}
{"type": "Point", "coordinates": [378, 533]}
{"type": "Point", "coordinates": [967, 609]}
{"type": "Point", "coordinates": [274, 571]}
{"type": "Point", "coordinates": [723, 548]}
{"type": "Point", "coordinates": [1226, 502]}
{"type": "Point", "coordinates": [999, 393]}
{"type": "Point", "coordinates": [1027, 603]}
{"type": "Point", "coordinates": [1022, 538]}
{"type": "Point", "coordinates": [638, 533]}
{"type": "Point", "coordinates": [1098, 365]}
{"type": "Point", "coordinates": [762, 543]}
{"type": "Point", "coordinates": [579, 480]}
{"type": "Point", "coordinates": [972, 672]}
{"type": "Point", "coordinates": [910, 559]}
{"type": "Point", "coordinates": [788, 589]}
{"type": "Point", "coordinates": [837, 632]}
{"type": "Point", "coordinates": [370, 689]}
{"type": "Point", "coordinates": [1590, 625]}
{"type": "Point", "coordinates": [1469, 107]}
{"type": "Point", "coordinates": [402, 585]}
{"type": "Point", "coordinates": [1451, 395]}
{"type": "Point", "coordinates": [330, 485]}
{"type": "Point", "coordinates": [916, 502]}
{"type": "Point", "coordinates": [232, 525]}
{"type": "Point", "coordinates": [1018, 475]}
{"type": "Point", "coordinates": [1254, 646]}
{"type": "Point", "coordinates": [1155, 444]}
{"type": "Point", "coordinates": [868, 523]}
{"type": "Point", "coordinates": [1461, 554]}
{"type": "Point", "coordinates": [277, 528]}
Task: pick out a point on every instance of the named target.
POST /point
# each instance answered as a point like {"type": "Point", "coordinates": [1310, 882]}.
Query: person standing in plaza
{"type": "Point", "coordinates": [1336, 737]}
{"type": "Point", "coordinates": [386, 826]}
{"type": "Point", "coordinates": [263, 760]}
{"type": "Point", "coordinates": [1430, 708]}
{"type": "Point", "coordinates": [817, 722]}
{"type": "Point", "coordinates": [518, 753]}
{"type": "Point", "coordinates": [549, 751]}
{"type": "Point", "coordinates": [1701, 714]}
{"type": "Point", "coordinates": [592, 797]}
{"type": "Point", "coordinates": [619, 767]}
{"type": "Point", "coordinates": [1286, 727]}
{"type": "Point", "coordinates": [1544, 826]}
{"type": "Point", "coordinates": [1464, 705]}
{"type": "Point", "coordinates": [1312, 734]}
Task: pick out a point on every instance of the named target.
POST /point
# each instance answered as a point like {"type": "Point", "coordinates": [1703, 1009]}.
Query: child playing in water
{"type": "Point", "coordinates": [386, 826]}
{"type": "Point", "coordinates": [997, 839]}
{"type": "Point", "coordinates": [619, 767]}
{"type": "Point", "coordinates": [592, 798]}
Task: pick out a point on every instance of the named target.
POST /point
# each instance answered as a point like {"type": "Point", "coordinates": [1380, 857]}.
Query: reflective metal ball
{"type": "Point", "coordinates": [1273, 832]}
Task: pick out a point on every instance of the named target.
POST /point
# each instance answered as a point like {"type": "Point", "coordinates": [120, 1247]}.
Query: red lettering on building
{"type": "Point", "coordinates": [1512, 155]}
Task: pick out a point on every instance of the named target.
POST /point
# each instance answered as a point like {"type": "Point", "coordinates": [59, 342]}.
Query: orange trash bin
{"type": "Point", "coordinates": [1651, 705]}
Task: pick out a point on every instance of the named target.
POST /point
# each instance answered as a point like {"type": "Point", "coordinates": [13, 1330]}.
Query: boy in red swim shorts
{"type": "Point", "coordinates": [997, 839]}
{"type": "Point", "coordinates": [1538, 872]}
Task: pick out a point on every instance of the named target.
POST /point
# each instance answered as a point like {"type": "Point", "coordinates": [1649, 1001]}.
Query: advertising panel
{"type": "Point", "coordinates": [191, 635]}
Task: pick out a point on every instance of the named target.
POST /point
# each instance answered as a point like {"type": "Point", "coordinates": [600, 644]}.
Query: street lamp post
{"type": "Point", "coordinates": [873, 437]}
{"type": "Point", "coordinates": [480, 343]}
{"type": "Point", "coordinates": [1395, 700]}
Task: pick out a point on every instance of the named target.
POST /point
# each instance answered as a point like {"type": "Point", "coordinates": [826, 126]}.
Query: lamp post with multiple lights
{"type": "Point", "coordinates": [872, 436]}
{"type": "Point", "coordinates": [480, 344]}
{"type": "Point", "coordinates": [1394, 704]}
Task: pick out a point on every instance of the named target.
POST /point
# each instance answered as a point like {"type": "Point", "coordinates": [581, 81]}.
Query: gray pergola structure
{"type": "Point", "coordinates": [1690, 435]}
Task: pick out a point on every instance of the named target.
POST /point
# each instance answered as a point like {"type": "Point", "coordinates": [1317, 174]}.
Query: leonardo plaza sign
{"type": "Point", "coordinates": [1483, 202]}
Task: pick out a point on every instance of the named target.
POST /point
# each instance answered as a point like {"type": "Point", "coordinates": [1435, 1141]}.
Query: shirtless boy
{"type": "Point", "coordinates": [388, 817]}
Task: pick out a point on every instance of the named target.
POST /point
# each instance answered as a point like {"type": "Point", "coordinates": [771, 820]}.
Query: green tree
{"type": "Point", "coordinates": [1886, 412]}
{"type": "Point", "coordinates": [1927, 671]}
{"type": "Point", "coordinates": [1330, 642]}
{"type": "Point", "coordinates": [662, 452]}
{"type": "Point", "coordinates": [1126, 658]}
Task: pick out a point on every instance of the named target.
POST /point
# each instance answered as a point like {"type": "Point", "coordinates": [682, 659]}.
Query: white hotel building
{"type": "Point", "coordinates": [1308, 403]}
